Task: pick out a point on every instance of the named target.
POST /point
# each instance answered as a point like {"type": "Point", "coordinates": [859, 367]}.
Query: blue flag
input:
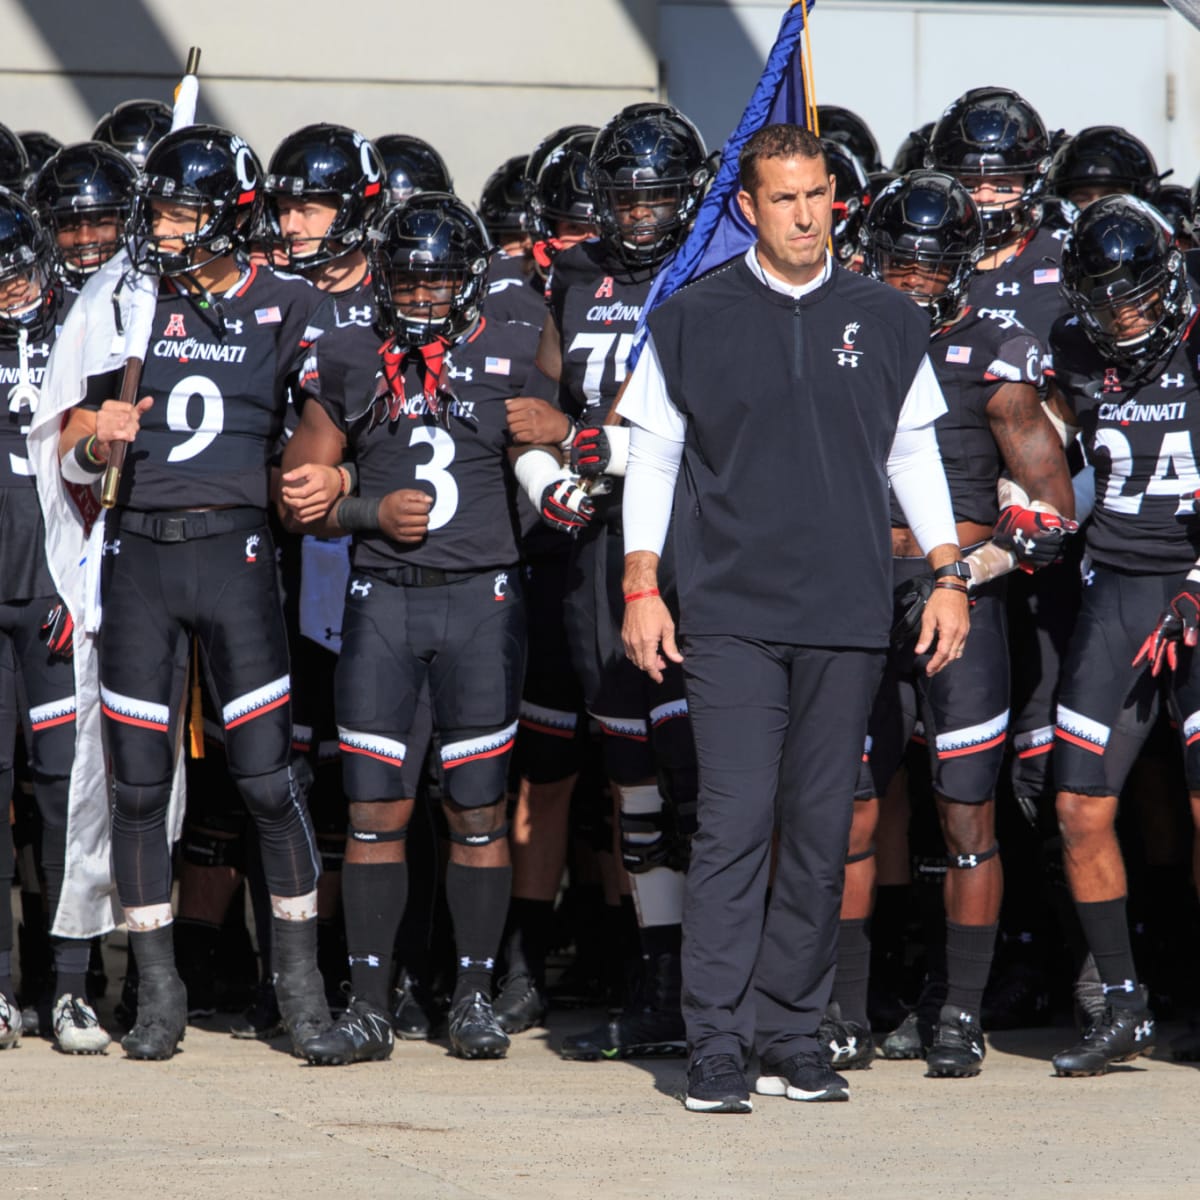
{"type": "Point", "coordinates": [720, 231]}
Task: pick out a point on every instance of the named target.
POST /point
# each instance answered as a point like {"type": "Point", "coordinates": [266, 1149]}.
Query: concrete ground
{"type": "Point", "coordinates": [229, 1119]}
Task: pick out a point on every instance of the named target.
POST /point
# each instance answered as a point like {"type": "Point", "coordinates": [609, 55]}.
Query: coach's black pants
{"type": "Point", "coordinates": [779, 737]}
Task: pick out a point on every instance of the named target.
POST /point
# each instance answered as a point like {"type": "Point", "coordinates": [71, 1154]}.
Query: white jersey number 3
{"type": "Point", "coordinates": [434, 472]}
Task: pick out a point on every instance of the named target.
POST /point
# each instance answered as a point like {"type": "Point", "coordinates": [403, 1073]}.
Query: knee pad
{"type": "Point", "coordinates": [276, 795]}
{"type": "Point", "coordinates": [968, 862]}
{"type": "Point", "coordinates": [645, 843]}
{"type": "Point", "coordinates": [207, 848]}
{"type": "Point", "coordinates": [869, 852]}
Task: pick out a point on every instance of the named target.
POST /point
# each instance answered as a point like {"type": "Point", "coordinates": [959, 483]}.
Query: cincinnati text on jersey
{"type": "Point", "coordinates": [1131, 411]}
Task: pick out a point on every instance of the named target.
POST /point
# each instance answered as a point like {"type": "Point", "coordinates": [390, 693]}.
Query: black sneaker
{"type": "Point", "coordinates": [804, 1076]}
{"type": "Point", "coordinates": [261, 1020]}
{"type": "Point", "coordinates": [717, 1084]}
{"type": "Point", "coordinates": [957, 1050]}
{"type": "Point", "coordinates": [415, 1014]}
{"type": "Point", "coordinates": [848, 1045]}
{"type": "Point", "coordinates": [1119, 1036]}
{"type": "Point", "coordinates": [645, 1034]}
{"type": "Point", "coordinates": [474, 1030]}
{"type": "Point", "coordinates": [363, 1033]}
{"type": "Point", "coordinates": [520, 1005]}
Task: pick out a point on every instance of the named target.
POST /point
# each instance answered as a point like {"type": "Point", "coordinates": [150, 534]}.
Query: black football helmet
{"type": "Point", "coordinates": [84, 187]}
{"type": "Point", "coordinates": [841, 125]}
{"type": "Point", "coordinates": [1126, 281]}
{"type": "Point", "coordinates": [14, 162]}
{"type": "Point", "coordinates": [925, 219]}
{"type": "Point", "coordinates": [911, 154]}
{"type": "Point", "coordinates": [412, 166]}
{"type": "Point", "coordinates": [989, 132]}
{"type": "Point", "coordinates": [648, 158]}
{"type": "Point", "coordinates": [502, 203]}
{"type": "Point", "coordinates": [1174, 201]}
{"type": "Point", "coordinates": [133, 127]}
{"type": "Point", "coordinates": [332, 163]}
{"type": "Point", "coordinates": [1106, 158]}
{"type": "Point", "coordinates": [39, 147]}
{"type": "Point", "coordinates": [851, 198]}
{"type": "Point", "coordinates": [560, 192]}
{"type": "Point", "coordinates": [435, 236]}
{"type": "Point", "coordinates": [28, 296]}
{"type": "Point", "coordinates": [209, 170]}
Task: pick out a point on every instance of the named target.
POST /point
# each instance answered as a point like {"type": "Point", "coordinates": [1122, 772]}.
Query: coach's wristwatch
{"type": "Point", "coordinates": [955, 570]}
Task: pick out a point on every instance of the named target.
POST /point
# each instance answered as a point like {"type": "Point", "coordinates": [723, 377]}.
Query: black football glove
{"type": "Point", "coordinates": [908, 606]}
{"type": "Point", "coordinates": [1179, 624]}
{"type": "Point", "coordinates": [1035, 538]}
{"type": "Point", "coordinates": [566, 506]}
{"type": "Point", "coordinates": [58, 632]}
{"type": "Point", "coordinates": [591, 451]}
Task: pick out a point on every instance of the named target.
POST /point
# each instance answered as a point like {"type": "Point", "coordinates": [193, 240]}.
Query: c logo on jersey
{"type": "Point", "coordinates": [499, 586]}
{"type": "Point", "coordinates": [849, 334]}
{"type": "Point", "coordinates": [252, 548]}
{"type": "Point", "coordinates": [175, 326]}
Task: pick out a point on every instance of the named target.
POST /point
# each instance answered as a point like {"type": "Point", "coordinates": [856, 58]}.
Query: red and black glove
{"type": "Point", "coordinates": [1036, 538]}
{"type": "Point", "coordinates": [1179, 624]}
{"type": "Point", "coordinates": [58, 632]}
{"type": "Point", "coordinates": [591, 451]}
{"type": "Point", "coordinates": [566, 506]}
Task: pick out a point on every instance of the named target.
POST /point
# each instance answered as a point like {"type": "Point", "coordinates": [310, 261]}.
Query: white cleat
{"type": "Point", "coordinates": [77, 1030]}
{"type": "Point", "coordinates": [10, 1024]}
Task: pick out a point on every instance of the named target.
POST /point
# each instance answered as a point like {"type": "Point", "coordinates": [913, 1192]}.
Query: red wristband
{"type": "Point", "coordinates": [641, 595]}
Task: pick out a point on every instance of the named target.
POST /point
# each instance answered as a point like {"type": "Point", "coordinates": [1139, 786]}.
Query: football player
{"type": "Point", "coordinates": [188, 550]}
{"type": "Point", "coordinates": [133, 127]}
{"type": "Point", "coordinates": [502, 210]}
{"type": "Point", "coordinates": [412, 165]}
{"type": "Point", "coordinates": [923, 236]}
{"type": "Point", "coordinates": [434, 601]}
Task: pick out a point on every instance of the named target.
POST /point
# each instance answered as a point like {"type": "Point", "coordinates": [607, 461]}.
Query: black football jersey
{"type": "Point", "coordinates": [596, 305]}
{"type": "Point", "coordinates": [219, 378]}
{"type": "Point", "coordinates": [23, 569]}
{"type": "Point", "coordinates": [1142, 436]}
{"type": "Point", "coordinates": [458, 454]}
{"type": "Point", "coordinates": [514, 291]}
{"type": "Point", "coordinates": [972, 359]}
{"type": "Point", "coordinates": [1025, 287]}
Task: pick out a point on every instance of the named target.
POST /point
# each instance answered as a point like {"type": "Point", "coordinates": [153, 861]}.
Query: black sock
{"type": "Point", "coordinates": [969, 950]}
{"type": "Point", "coordinates": [373, 898]}
{"type": "Point", "coordinates": [1107, 933]}
{"type": "Point", "coordinates": [529, 926]}
{"type": "Point", "coordinates": [154, 950]}
{"type": "Point", "coordinates": [657, 940]}
{"type": "Point", "coordinates": [478, 902]}
{"type": "Point", "coordinates": [71, 957]}
{"type": "Point", "coordinates": [853, 971]}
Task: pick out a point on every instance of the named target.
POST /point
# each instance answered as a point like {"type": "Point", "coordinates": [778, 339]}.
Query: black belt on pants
{"type": "Point", "coordinates": [413, 576]}
{"type": "Point", "coordinates": [184, 525]}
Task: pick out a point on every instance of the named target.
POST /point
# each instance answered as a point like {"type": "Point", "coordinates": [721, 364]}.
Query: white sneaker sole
{"type": "Point", "coordinates": [730, 1104]}
{"type": "Point", "coordinates": [91, 1042]}
{"type": "Point", "coordinates": [777, 1085]}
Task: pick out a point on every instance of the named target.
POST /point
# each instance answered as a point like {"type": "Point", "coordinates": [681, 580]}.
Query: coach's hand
{"type": "Point", "coordinates": [946, 620]}
{"type": "Point", "coordinates": [649, 636]}
{"type": "Point", "coordinates": [117, 421]}
{"type": "Point", "coordinates": [404, 515]}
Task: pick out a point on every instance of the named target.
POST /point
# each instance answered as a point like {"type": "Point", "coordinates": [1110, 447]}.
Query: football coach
{"type": "Point", "coordinates": [775, 399]}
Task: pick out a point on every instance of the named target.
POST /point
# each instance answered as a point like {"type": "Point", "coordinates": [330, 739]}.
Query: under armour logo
{"type": "Point", "coordinates": [1089, 577]}
{"type": "Point", "coordinates": [175, 326]}
{"type": "Point", "coordinates": [360, 587]}
{"type": "Point", "coordinates": [499, 585]}
{"type": "Point", "coordinates": [467, 373]}
{"type": "Point", "coordinates": [371, 960]}
{"type": "Point", "coordinates": [234, 326]}
{"type": "Point", "coordinates": [113, 548]}
{"type": "Point", "coordinates": [1008, 289]}
{"type": "Point", "coordinates": [847, 360]}
{"type": "Point", "coordinates": [252, 548]}
{"type": "Point", "coordinates": [37, 350]}
{"type": "Point", "coordinates": [1143, 1031]}
{"type": "Point", "coordinates": [355, 316]}
{"type": "Point", "coordinates": [1167, 381]}
{"type": "Point", "coordinates": [966, 861]}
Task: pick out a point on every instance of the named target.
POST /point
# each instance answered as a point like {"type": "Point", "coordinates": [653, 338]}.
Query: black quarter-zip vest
{"type": "Point", "coordinates": [781, 527]}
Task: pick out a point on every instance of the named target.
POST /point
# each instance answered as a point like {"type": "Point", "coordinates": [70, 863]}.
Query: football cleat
{"type": "Point", "coordinates": [957, 1050]}
{"type": "Point", "coordinates": [520, 1005]}
{"type": "Point", "coordinates": [363, 1033]}
{"type": "Point", "coordinates": [914, 1035]}
{"type": "Point", "coordinates": [261, 1020]}
{"type": "Point", "coordinates": [415, 1014]}
{"type": "Point", "coordinates": [805, 1076]}
{"type": "Point", "coordinates": [1119, 1036]}
{"type": "Point", "coordinates": [717, 1084]}
{"type": "Point", "coordinates": [848, 1045]}
{"type": "Point", "coordinates": [474, 1030]}
{"type": "Point", "coordinates": [11, 1024]}
{"type": "Point", "coordinates": [77, 1029]}
{"type": "Point", "coordinates": [646, 1034]}
{"type": "Point", "coordinates": [161, 1017]}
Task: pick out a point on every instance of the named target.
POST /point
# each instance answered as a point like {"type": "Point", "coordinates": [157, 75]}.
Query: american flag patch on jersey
{"type": "Point", "coordinates": [958, 354]}
{"type": "Point", "coordinates": [1046, 275]}
{"type": "Point", "coordinates": [497, 366]}
{"type": "Point", "coordinates": [268, 316]}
